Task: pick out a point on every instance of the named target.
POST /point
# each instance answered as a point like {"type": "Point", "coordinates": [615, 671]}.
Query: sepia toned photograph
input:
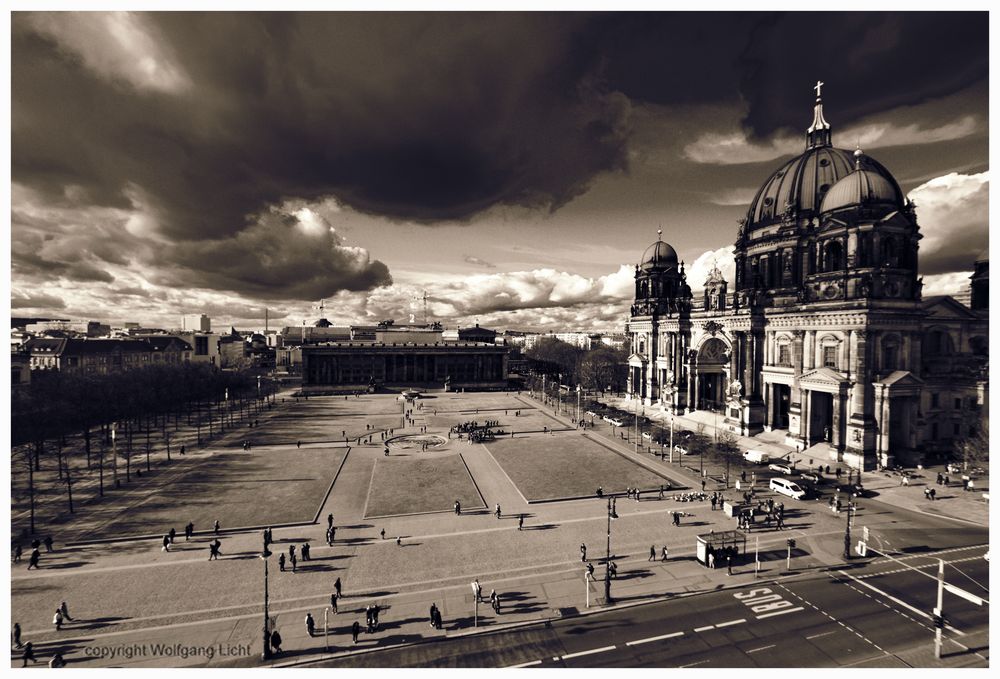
{"type": "Point", "coordinates": [337, 334]}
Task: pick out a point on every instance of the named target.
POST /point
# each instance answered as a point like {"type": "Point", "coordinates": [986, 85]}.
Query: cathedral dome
{"type": "Point", "coordinates": [862, 187]}
{"type": "Point", "coordinates": [659, 255]}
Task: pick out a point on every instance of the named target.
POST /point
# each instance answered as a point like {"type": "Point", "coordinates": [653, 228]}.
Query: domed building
{"type": "Point", "coordinates": [825, 335]}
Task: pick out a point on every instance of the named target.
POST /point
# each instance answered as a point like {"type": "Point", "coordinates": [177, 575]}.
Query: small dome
{"type": "Point", "coordinates": [862, 187]}
{"type": "Point", "coordinates": [659, 255]}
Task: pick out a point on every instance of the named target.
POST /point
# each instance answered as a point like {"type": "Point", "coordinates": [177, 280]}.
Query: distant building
{"type": "Point", "coordinates": [581, 340]}
{"type": "Point", "coordinates": [88, 328]}
{"type": "Point", "coordinates": [477, 334]}
{"type": "Point", "coordinates": [205, 347]}
{"type": "Point", "coordinates": [20, 369]}
{"type": "Point", "coordinates": [196, 323]}
{"type": "Point", "coordinates": [103, 356]}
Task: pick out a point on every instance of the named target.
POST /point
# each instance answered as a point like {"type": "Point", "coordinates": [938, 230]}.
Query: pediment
{"type": "Point", "coordinates": [823, 375]}
{"type": "Point", "coordinates": [901, 378]}
{"type": "Point", "coordinates": [946, 306]}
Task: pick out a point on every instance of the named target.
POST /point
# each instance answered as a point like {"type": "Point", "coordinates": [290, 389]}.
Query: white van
{"type": "Point", "coordinates": [787, 487]}
{"type": "Point", "coordinates": [756, 456]}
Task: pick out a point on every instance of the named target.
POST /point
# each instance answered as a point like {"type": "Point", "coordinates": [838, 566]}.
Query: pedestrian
{"type": "Point", "coordinates": [355, 631]}
{"type": "Point", "coordinates": [214, 550]}
{"type": "Point", "coordinates": [399, 540]}
{"type": "Point", "coordinates": [382, 533]}
{"type": "Point", "coordinates": [947, 480]}
{"type": "Point", "coordinates": [437, 619]}
{"type": "Point", "coordinates": [496, 604]}
{"type": "Point", "coordinates": [660, 497]}
{"type": "Point", "coordinates": [295, 562]}
{"type": "Point", "coordinates": [291, 550]}
{"type": "Point", "coordinates": [57, 661]}
{"type": "Point", "coordinates": [48, 543]}
{"type": "Point", "coordinates": [493, 596]}
{"type": "Point", "coordinates": [172, 534]}
{"type": "Point", "coordinates": [281, 562]}
{"type": "Point", "coordinates": [16, 635]}
{"type": "Point", "coordinates": [520, 522]}
{"type": "Point", "coordinates": [298, 444]}
{"type": "Point", "coordinates": [166, 543]}
{"type": "Point", "coordinates": [336, 586]}
{"type": "Point", "coordinates": [216, 527]}
{"type": "Point", "coordinates": [590, 570]}
{"type": "Point", "coordinates": [583, 552]}
{"type": "Point", "coordinates": [183, 449]}
{"type": "Point", "coordinates": [458, 508]}
{"type": "Point", "coordinates": [267, 536]}
{"type": "Point", "coordinates": [310, 625]}
{"type": "Point", "coordinates": [276, 641]}
{"type": "Point", "coordinates": [64, 609]}
{"type": "Point", "coordinates": [713, 502]}
{"type": "Point", "coordinates": [711, 559]}
{"type": "Point", "coordinates": [940, 478]}
{"type": "Point", "coordinates": [188, 531]}
{"type": "Point", "coordinates": [664, 556]}
{"type": "Point", "coordinates": [57, 619]}
{"type": "Point", "coordinates": [305, 552]}
{"type": "Point", "coordinates": [28, 654]}
{"type": "Point", "coordinates": [433, 615]}
{"type": "Point", "coordinates": [333, 602]}
{"type": "Point", "coordinates": [17, 554]}
{"type": "Point", "coordinates": [933, 494]}
{"type": "Point", "coordinates": [703, 485]}
{"type": "Point", "coordinates": [329, 520]}
{"type": "Point", "coordinates": [33, 558]}
{"type": "Point", "coordinates": [477, 589]}
{"type": "Point", "coordinates": [497, 512]}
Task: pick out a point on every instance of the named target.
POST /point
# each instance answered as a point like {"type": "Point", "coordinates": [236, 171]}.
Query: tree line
{"type": "Point", "coordinates": [594, 369]}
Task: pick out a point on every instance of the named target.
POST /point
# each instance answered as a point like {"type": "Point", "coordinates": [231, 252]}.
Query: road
{"type": "Point", "coordinates": [871, 615]}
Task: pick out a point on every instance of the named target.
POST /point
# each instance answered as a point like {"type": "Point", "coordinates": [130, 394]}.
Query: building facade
{"type": "Point", "coordinates": [825, 334]}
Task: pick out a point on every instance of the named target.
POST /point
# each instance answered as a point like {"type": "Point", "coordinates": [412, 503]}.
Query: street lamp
{"type": "Point", "coordinates": [847, 531]}
{"type": "Point", "coordinates": [607, 562]}
{"type": "Point", "coordinates": [266, 654]}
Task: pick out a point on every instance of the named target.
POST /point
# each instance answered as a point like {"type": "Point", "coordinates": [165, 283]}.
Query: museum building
{"type": "Point", "coordinates": [825, 334]}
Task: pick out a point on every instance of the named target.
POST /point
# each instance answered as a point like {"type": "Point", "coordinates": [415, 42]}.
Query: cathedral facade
{"type": "Point", "coordinates": [825, 333]}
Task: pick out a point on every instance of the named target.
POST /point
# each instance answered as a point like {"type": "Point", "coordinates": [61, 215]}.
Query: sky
{"type": "Point", "coordinates": [512, 166]}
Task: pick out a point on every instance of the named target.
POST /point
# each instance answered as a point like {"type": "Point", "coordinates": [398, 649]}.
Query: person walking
{"type": "Point", "coordinates": [281, 562]}
{"type": "Point", "coordinates": [329, 520]}
{"type": "Point", "coordinates": [188, 531]}
{"type": "Point", "coordinates": [16, 635]}
{"type": "Point", "coordinates": [652, 553]}
{"type": "Point", "coordinates": [276, 641]}
{"type": "Point", "coordinates": [305, 552]}
{"type": "Point", "coordinates": [216, 527]}
{"type": "Point", "coordinates": [34, 558]}
{"type": "Point", "coordinates": [295, 563]}
{"type": "Point", "coordinates": [48, 543]}
{"type": "Point", "coordinates": [64, 609]}
{"type": "Point", "coordinates": [477, 589]}
{"type": "Point", "coordinates": [166, 543]}
{"type": "Point", "coordinates": [497, 512]}
{"type": "Point", "coordinates": [213, 547]}
{"type": "Point", "coordinates": [437, 619]}
{"type": "Point", "coordinates": [336, 586]}
{"type": "Point", "coordinates": [663, 557]}
{"type": "Point", "coordinates": [520, 522]}
{"type": "Point", "coordinates": [310, 625]}
{"type": "Point", "coordinates": [333, 603]}
{"type": "Point", "coordinates": [496, 604]}
{"type": "Point", "coordinates": [458, 508]}
{"type": "Point", "coordinates": [583, 552]}
{"type": "Point", "coordinates": [57, 620]}
{"type": "Point", "coordinates": [172, 533]}
{"type": "Point", "coordinates": [28, 654]}
{"type": "Point", "coordinates": [355, 631]}
{"type": "Point", "coordinates": [57, 661]}
{"type": "Point", "coordinates": [17, 554]}
{"type": "Point", "coordinates": [590, 570]}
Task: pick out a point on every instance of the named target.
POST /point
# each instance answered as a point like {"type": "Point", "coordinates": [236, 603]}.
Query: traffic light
{"type": "Point", "coordinates": [791, 543]}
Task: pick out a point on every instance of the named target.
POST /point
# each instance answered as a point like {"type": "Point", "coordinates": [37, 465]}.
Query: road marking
{"type": "Point", "coordinates": [590, 652]}
{"type": "Point", "coordinates": [731, 622]}
{"type": "Point", "coordinates": [648, 640]}
{"type": "Point", "coordinates": [902, 603]}
{"type": "Point", "coordinates": [781, 612]}
{"type": "Point", "coordinates": [700, 662]}
{"type": "Point", "coordinates": [762, 648]}
{"type": "Point", "coordinates": [821, 634]}
{"type": "Point", "coordinates": [527, 664]}
{"type": "Point", "coordinates": [702, 629]}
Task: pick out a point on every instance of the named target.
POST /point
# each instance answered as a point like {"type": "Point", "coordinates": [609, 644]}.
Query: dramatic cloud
{"type": "Point", "coordinates": [953, 213]}
{"type": "Point", "coordinates": [947, 284]}
{"type": "Point", "coordinates": [23, 300]}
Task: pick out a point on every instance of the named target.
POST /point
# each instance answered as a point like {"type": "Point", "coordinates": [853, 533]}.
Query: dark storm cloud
{"type": "Point", "coordinates": [430, 117]}
{"type": "Point", "coordinates": [24, 301]}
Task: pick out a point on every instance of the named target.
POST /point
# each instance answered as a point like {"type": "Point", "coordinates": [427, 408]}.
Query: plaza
{"type": "Point", "coordinates": [122, 588]}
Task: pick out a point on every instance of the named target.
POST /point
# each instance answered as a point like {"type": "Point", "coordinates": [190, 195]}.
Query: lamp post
{"type": "Point", "coordinates": [114, 454]}
{"type": "Point", "coordinates": [266, 654]}
{"type": "Point", "coordinates": [847, 531]}
{"type": "Point", "coordinates": [607, 562]}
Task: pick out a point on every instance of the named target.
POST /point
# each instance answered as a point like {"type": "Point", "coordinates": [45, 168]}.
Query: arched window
{"type": "Point", "coordinates": [644, 289]}
{"type": "Point", "coordinates": [890, 354]}
{"type": "Point", "coordinates": [938, 343]}
{"type": "Point", "coordinates": [833, 256]}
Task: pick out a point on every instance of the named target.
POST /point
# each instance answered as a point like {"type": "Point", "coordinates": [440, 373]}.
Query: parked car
{"type": "Point", "coordinates": [954, 468]}
{"type": "Point", "coordinates": [781, 468]}
{"type": "Point", "coordinates": [756, 456]}
{"type": "Point", "coordinates": [787, 487]}
{"type": "Point", "coordinates": [680, 450]}
{"type": "Point", "coordinates": [812, 477]}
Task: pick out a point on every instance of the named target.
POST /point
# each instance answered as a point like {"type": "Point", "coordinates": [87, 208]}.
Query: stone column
{"type": "Point", "coordinates": [837, 425]}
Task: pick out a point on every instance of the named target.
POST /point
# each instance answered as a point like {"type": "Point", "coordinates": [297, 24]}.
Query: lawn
{"type": "Point", "coordinates": [404, 485]}
{"type": "Point", "coordinates": [567, 465]}
{"type": "Point", "coordinates": [264, 487]}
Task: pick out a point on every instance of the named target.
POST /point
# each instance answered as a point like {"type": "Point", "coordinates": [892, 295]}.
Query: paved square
{"type": "Point", "coordinates": [412, 485]}
{"type": "Point", "coordinates": [263, 487]}
{"type": "Point", "coordinates": [568, 465]}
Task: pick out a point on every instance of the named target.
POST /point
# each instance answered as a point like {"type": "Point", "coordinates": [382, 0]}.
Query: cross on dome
{"type": "Point", "coordinates": [819, 88]}
{"type": "Point", "coordinates": [659, 234]}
